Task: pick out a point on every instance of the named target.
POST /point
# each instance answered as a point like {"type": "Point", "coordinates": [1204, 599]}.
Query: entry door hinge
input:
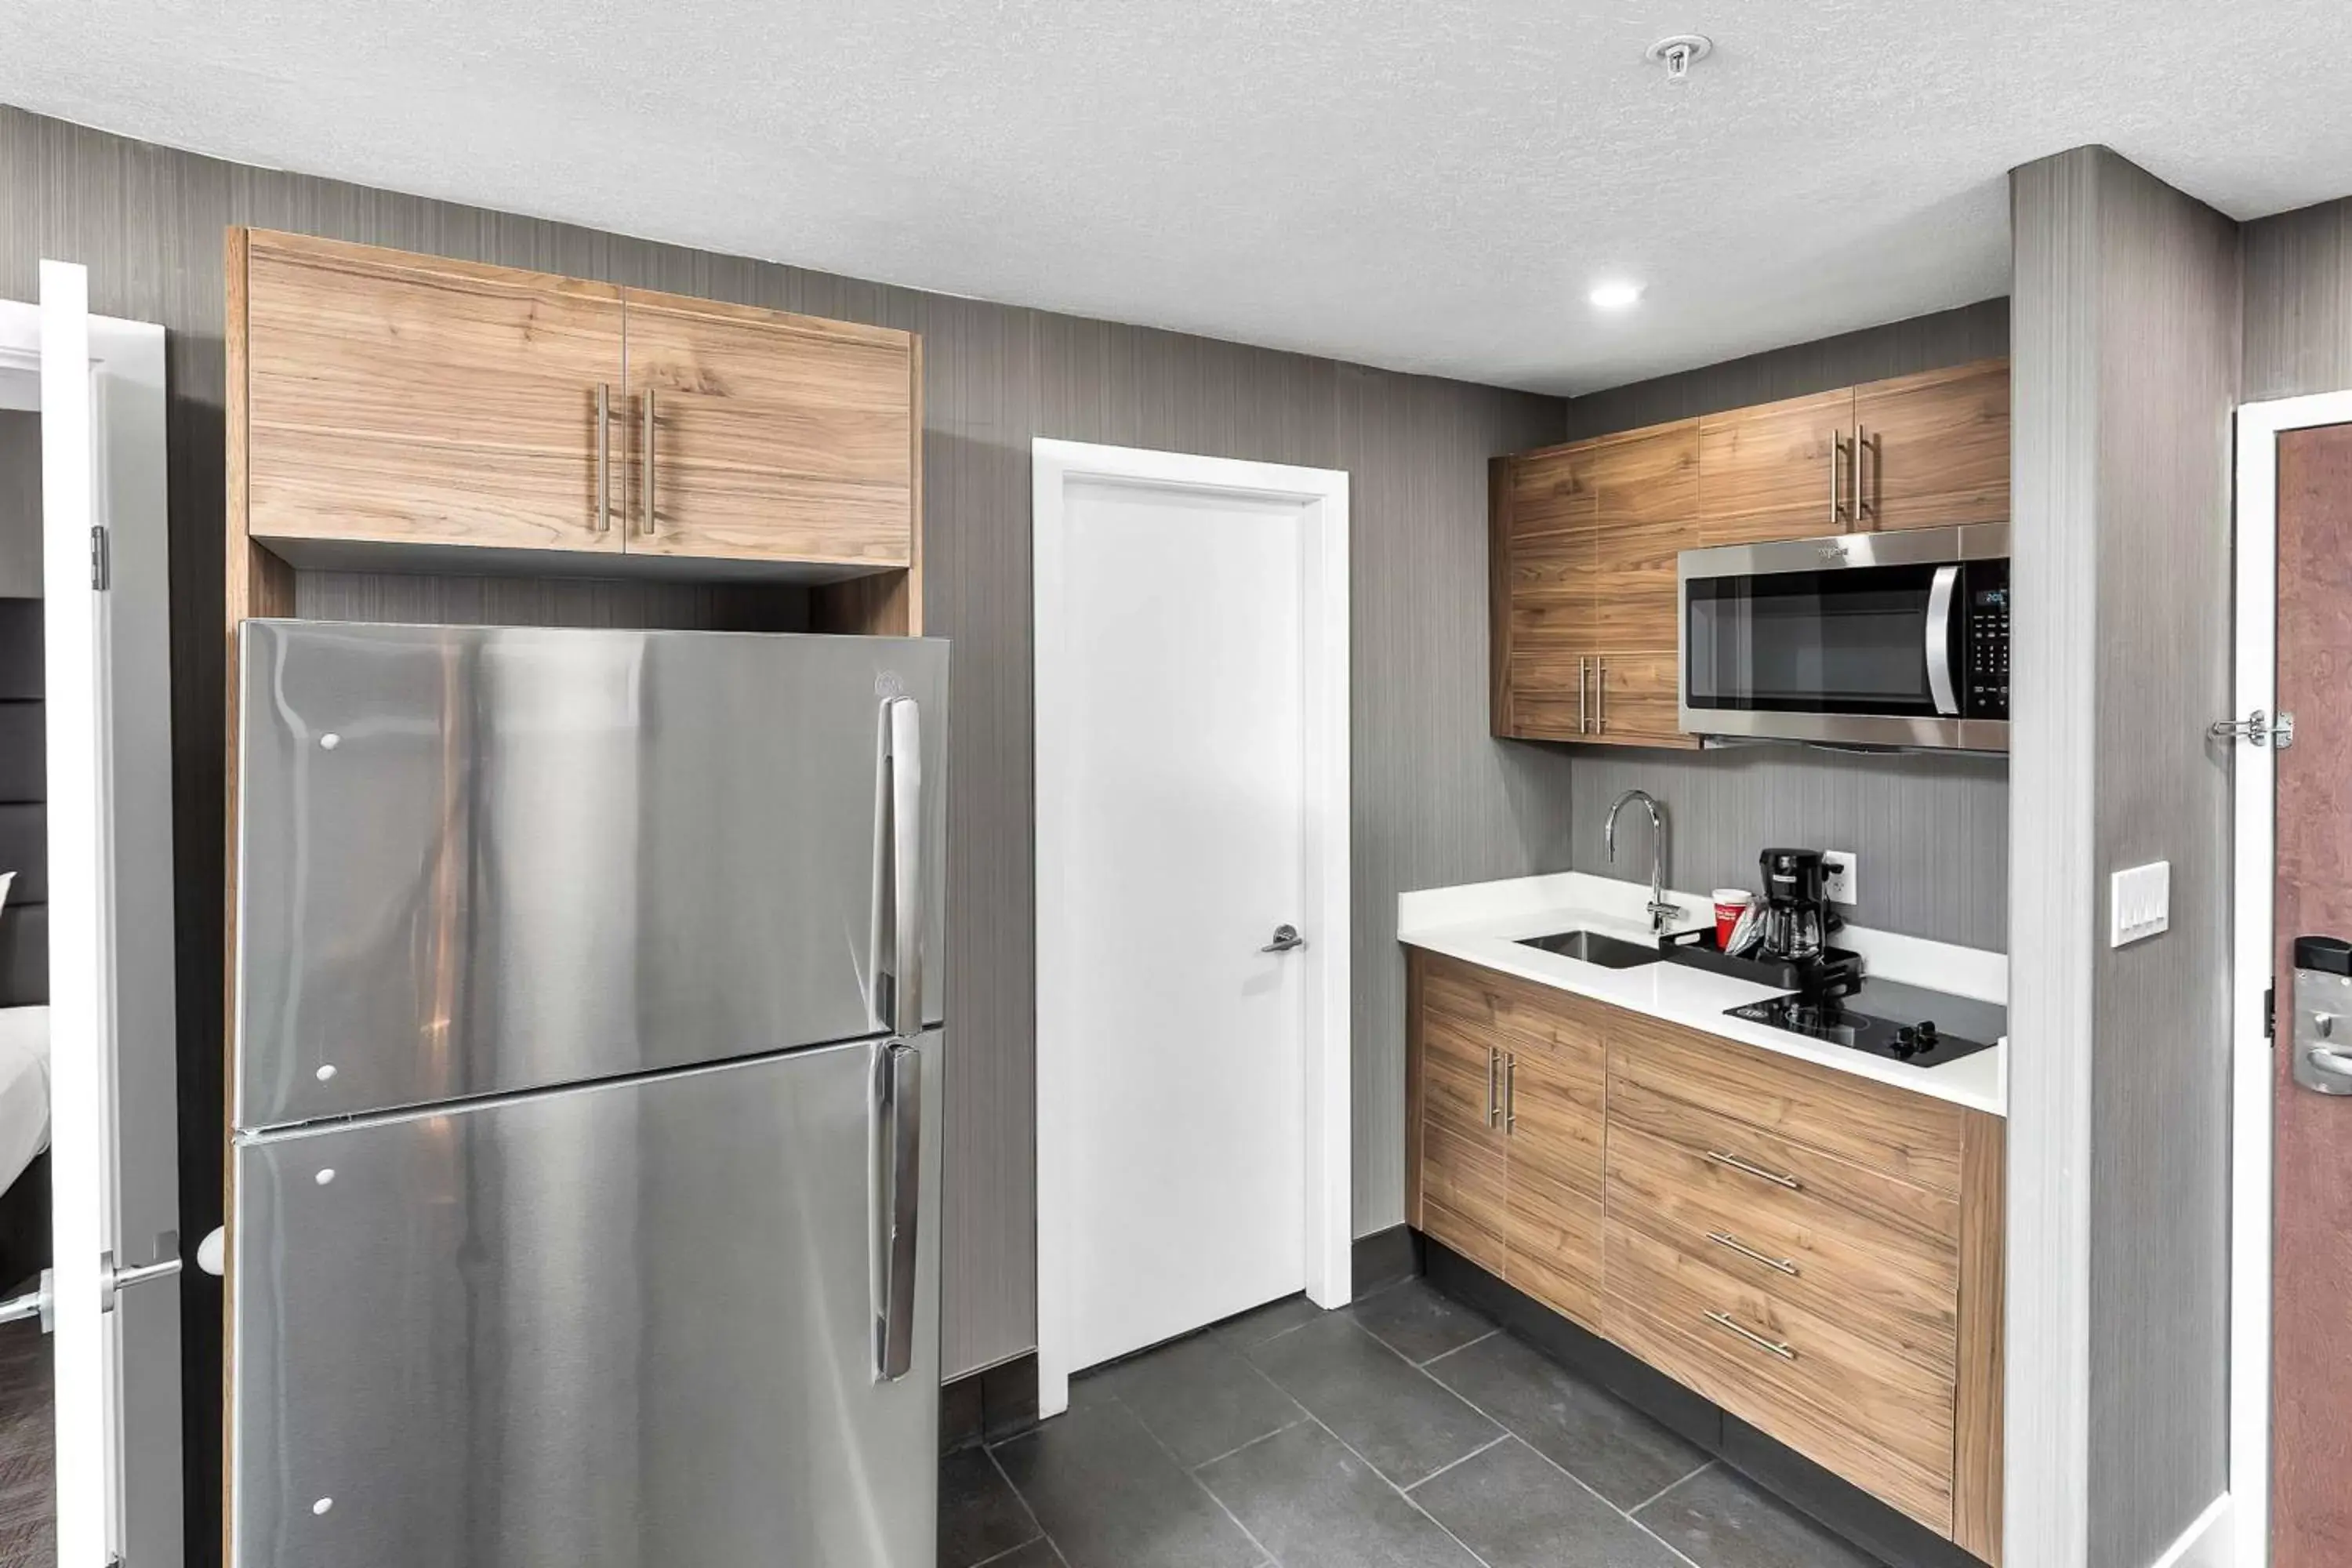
{"type": "Point", "coordinates": [2257, 729]}
{"type": "Point", "coordinates": [101, 564]}
{"type": "Point", "coordinates": [2269, 1012]}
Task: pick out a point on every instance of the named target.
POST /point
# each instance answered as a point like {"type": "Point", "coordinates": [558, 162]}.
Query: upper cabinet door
{"type": "Point", "coordinates": [1647, 484]}
{"type": "Point", "coordinates": [1934, 447]}
{"type": "Point", "coordinates": [1543, 563]}
{"type": "Point", "coordinates": [757, 435]}
{"type": "Point", "coordinates": [1779, 470]}
{"type": "Point", "coordinates": [408, 399]}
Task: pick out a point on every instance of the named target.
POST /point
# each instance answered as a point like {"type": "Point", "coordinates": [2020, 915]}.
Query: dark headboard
{"type": "Point", "coordinates": [24, 822]}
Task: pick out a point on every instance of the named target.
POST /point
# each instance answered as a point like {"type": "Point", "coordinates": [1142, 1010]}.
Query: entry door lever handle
{"type": "Point", "coordinates": [1285, 937]}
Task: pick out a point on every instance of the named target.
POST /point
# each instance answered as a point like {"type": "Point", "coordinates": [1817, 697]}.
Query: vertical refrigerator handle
{"type": "Point", "coordinates": [899, 1087]}
{"type": "Point", "coordinates": [899, 967]}
{"type": "Point", "coordinates": [1939, 640]}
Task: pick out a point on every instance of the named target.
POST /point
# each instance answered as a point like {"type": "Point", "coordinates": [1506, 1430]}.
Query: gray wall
{"type": "Point", "coordinates": [2126, 371]}
{"type": "Point", "coordinates": [20, 504]}
{"type": "Point", "coordinates": [2299, 302]}
{"type": "Point", "coordinates": [1436, 801]}
{"type": "Point", "coordinates": [1932, 832]}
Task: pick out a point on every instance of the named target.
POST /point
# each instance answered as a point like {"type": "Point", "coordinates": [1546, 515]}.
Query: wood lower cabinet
{"type": "Point", "coordinates": [1817, 1253]}
{"type": "Point", "coordinates": [1932, 450]}
{"type": "Point", "coordinates": [396, 399]}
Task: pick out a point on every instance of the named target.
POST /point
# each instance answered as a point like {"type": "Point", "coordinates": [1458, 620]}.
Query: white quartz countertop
{"type": "Point", "coordinates": [1483, 923]}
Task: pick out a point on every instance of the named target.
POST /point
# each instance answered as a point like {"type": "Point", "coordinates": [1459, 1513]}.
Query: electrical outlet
{"type": "Point", "coordinates": [2139, 902]}
{"type": "Point", "coordinates": [1841, 864]}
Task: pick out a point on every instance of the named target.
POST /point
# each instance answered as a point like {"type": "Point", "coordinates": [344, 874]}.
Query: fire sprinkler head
{"type": "Point", "coordinates": [1681, 52]}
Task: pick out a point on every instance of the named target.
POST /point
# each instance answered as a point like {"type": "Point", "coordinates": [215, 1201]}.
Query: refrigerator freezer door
{"type": "Point", "coordinates": [475, 861]}
{"type": "Point", "coordinates": [627, 1324]}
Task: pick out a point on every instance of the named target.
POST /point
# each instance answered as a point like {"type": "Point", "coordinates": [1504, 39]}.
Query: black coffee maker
{"type": "Point", "coordinates": [1797, 916]}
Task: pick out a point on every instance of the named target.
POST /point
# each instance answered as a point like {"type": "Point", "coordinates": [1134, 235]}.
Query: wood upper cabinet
{"type": "Point", "coordinates": [384, 399]}
{"type": "Point", "coordinates": [404, 399]}
{"type": "Point", "coordinates": [756, 435]}
{"type": "Point", "coordinates": [1779, 470]}
{"type": "Point", "coordinates": [1933, 449]}
{"type": "Point", "coordinates": [1584, 540]}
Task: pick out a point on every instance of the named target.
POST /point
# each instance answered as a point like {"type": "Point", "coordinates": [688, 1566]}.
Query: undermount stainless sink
{"type": "Point", "coordinates": [1594, 947]}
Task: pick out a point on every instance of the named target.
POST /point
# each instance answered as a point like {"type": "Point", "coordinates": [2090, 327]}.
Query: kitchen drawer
{"type": "Point", "coordinates": [1841, 1399]}
{"type": "Point", "coordinates": [1879, 1254]}
{"type": "Point", "coordinates": [1872, 1124]}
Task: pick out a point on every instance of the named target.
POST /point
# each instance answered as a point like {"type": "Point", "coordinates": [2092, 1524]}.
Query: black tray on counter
{"type": "Point", "coordinates": [1837, 972]}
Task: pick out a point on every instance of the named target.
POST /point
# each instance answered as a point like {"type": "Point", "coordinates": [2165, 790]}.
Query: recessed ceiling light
{"type": "Point", "coordinates": [1615, 296]}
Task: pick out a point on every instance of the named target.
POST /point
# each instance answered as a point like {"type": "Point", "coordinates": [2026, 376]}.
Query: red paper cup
{"type": "Point", "coordinates": [1730, 903]}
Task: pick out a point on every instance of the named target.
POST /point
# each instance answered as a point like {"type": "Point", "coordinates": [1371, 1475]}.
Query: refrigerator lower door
{"type": "Point", "coordinates": [639, 1323]}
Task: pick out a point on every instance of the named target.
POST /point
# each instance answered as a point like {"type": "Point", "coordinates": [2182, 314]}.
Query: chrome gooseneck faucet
{"type": "Point", "coordinates": [1661, 912]}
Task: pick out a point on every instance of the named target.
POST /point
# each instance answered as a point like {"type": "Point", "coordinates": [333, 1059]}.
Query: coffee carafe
{"type": "Point", "coordinates": [1797, 918]}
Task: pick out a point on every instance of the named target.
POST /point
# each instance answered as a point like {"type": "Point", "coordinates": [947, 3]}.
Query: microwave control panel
{"type": "Point", "coordinates": [1988, 641]}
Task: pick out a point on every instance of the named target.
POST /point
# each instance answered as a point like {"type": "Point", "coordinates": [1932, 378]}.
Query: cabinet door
{"type": "Point", "coordinates": [1542, 541]}
{"type": "Point", "coordinates": [1934, 449]}
{"type": "Point", "coordinates": [1460, 1067]}
{"type": "Point", "coordinates": [756, 435]}
{"type": "Point", "coordinates": [1779, 470]}
{"type": "Point", "coordinates": [1552, 1100]}
{"type": "Point", "coordinates": [411, 399]}
{"type": "Point", "coordinates": [1636, 699]}
{"type": "Point", "coordinates": [1645, 485]}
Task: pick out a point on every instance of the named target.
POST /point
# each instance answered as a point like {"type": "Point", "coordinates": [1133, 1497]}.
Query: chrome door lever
{"type": "Point", "coordinates": [1285, 937]}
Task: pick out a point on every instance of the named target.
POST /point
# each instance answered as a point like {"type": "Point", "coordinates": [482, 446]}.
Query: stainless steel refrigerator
{"type": "Point", "coordinates": [586, 1091]}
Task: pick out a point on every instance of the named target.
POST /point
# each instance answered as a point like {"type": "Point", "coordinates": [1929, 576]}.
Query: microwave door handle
{"type": "Point", "coordinates": [1940, 641]}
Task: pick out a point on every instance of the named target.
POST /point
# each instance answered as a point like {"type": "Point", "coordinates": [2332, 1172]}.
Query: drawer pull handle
{"type": "Point", "coordinates": [1736, 1163]}
{"type": "Point", "coordinates": [1759, 1340]}
{"type": "Point", "coordinates": [1725, 1238]}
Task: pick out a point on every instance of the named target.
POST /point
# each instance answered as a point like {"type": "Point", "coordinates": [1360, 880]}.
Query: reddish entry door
{"type": "Point", "coordinates": [2311, 1355]}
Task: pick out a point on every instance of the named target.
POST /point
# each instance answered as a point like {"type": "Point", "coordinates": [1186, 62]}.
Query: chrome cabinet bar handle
{"type": "Point", "coordinates": [1736, 1163]}
{"type": "Point", "coordinates": [1725, 1238]}
{"type": "Point", "coordinates": [1510, 1091]}
{"type": "Point", "coordinates": [1601, 697]}
{"type": "Point", "coordinates": [649, 523]}
{"type": "Point", "coordinates": [1583, 717]}
{"type": "Point", "coordinates": [1494, 1110]}
{"type": "Point", "coordinates": [1865, 505]}
{"type": "Point", "coordinates": [1837, 456]}
{"type": "Point", "coordinates": [900, 1089]}
{"type": "Point", "coordinates": [603, 457]}
{"type": "Point", "coordinates": [1725, 1320]}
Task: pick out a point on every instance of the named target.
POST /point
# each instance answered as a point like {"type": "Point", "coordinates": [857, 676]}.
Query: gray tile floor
{"type": "Point", "coordinates": [1404, 1432]}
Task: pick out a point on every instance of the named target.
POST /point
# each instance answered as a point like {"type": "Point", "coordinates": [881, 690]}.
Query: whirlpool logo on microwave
{"type": "Point", "coordinates": [1830, 552]}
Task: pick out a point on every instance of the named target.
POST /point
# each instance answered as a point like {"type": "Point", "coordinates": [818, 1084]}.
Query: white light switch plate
{"type": "Point", "coordinates": [2139, 902]}
{"type": "Point", "coordinates": [1842, 868]}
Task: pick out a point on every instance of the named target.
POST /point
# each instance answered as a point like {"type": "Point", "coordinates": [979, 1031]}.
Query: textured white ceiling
{"type": "Point", "coordinates": [1428, 184]}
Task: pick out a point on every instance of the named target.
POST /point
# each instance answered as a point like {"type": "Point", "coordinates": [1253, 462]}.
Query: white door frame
{"type": "Point", "coordinates": [2254, 853]}
{"type": "Point", "coordinates": [114, 1105]}
{"type": "Point", "coordinates": [1325, 1172]}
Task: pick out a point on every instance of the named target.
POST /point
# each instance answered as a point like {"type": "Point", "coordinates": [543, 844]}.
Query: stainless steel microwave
{"type": "Point", "coordinates": [1864, 640]}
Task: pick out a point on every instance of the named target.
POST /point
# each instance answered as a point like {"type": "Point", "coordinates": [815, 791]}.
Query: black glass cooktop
{"type": "Point", "coordinates": [1926, 1028]}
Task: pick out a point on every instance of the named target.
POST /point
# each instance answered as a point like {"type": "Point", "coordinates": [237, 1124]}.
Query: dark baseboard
{"type": "Point", "coordinates": [1384, 1257]}
{"type": "Point", "coordinates": [989, 1406]}
{"type": "Point", "coordinates": [1836, 1503]}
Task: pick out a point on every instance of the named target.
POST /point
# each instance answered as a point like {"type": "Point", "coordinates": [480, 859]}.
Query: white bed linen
{"type": "Point", "coordinates": [24, 1090]}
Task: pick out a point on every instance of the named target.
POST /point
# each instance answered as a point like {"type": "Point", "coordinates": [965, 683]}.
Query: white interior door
{"type": "Point", "coordinates": [1184, 841]}
{"type": "Point", "coordinates": [114, 1298]}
